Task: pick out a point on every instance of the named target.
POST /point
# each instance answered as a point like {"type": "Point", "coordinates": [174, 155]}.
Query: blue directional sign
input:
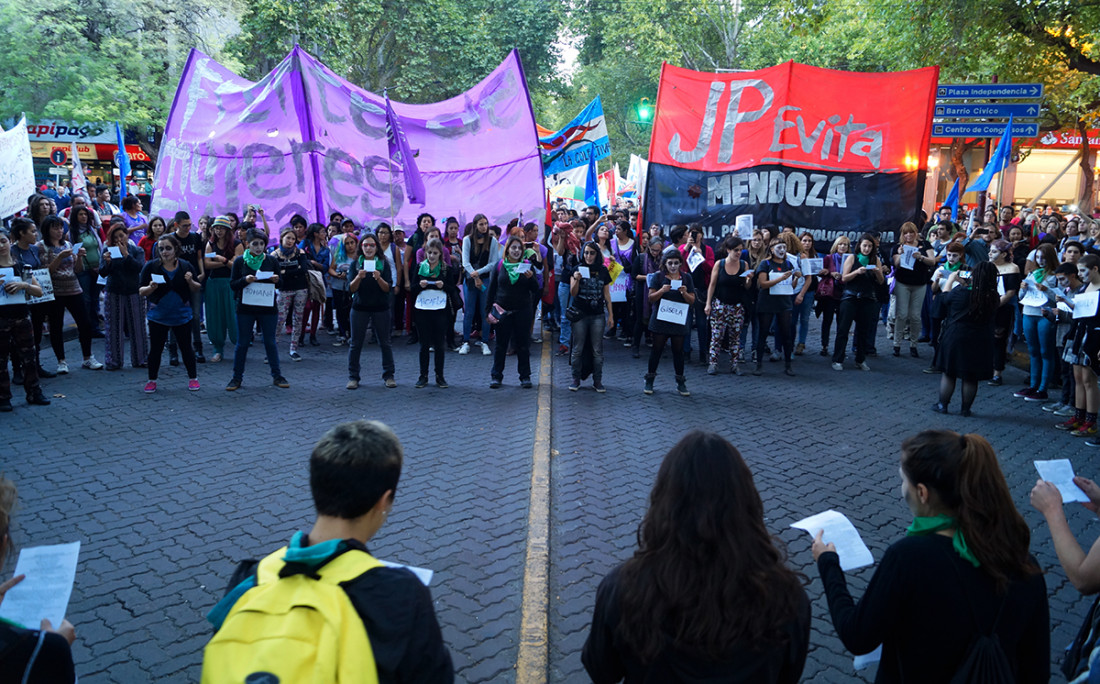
{"type": "Point", "coordinates": [1000, 91]}
{"type": "Point", "coordinates": [986, 111]}
{"type": "Point", "coordinates": [983, 130]}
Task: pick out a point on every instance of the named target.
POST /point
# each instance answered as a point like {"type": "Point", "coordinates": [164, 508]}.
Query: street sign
{"type": "Point", "coordinates": [59, 157]}
{"type": "Point", "coordinates": [1000, 91]}
{"type": "Point", "coordinates": [59, 172]}
{"type": "Point", "coordinates": [983, 130]}
{"type": "Point", "coordinates": [987, 111]}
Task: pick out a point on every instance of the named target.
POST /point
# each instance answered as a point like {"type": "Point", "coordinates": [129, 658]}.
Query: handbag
{"type": "Point", "coordinates": [573, 314]}
{"type": "Point", "coordinates": [316, 286]}
{"type": "Point", "coordinates": [825, 286]}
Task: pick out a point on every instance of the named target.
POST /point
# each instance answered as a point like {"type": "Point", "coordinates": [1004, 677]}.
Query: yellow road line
{"type": "Point", "coordinates": [532, 661]}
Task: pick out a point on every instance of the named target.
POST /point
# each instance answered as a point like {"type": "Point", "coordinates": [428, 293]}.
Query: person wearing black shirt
{"type": "Point", "coordinates": [861, 276]}
{"type": "Point", "coordinates": [963, 570]}
{"type": "Point", "coordinates": [591, 297]}
{"type": "Point", "coordinates": [245, 269]}
{"type": "Point", "coordinates": [369, 287]}
{"type": "Point", "coordinates": [16, 337]}
{"type": "Point", "coordinates": [911, 280]}
{"type": "Point", "coordinates": [167, 283]}
{"type": "Point", "coordinates": [671, 294]}
{"type": "Point", "coordinates": [293, 288]}
{"type": "Point", "coordinates": [512, 285]}
{"type": "Point", "coordinates": [775, 278]}
{"type": "Point", "coordinates": [433, 284]}
{"type": "Point", "coordinates": [191, 251]}
{"type": "Point", "coordinates": [122, 306]}
{"type": "Point", "coordinates": [725, 303]}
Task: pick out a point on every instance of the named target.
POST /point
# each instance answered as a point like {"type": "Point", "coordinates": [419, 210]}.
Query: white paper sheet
{"type": "Point", "coordinates": [674, 285]}
{"type": "Point", "coordinates": [369, 265]}
{"type": "Point", "coordinates": [583, 270]}
{"type": "Point", "coordinates": [1062, 306]}
{"type": "Point", "coordinates": [1084, 304]}
{"type": "Point", "coordinates": [841, 532]}
{"type": "Point", "coordinates": [101, 280]}
{"type": "Point", "coordinates": [158, 278]}
{"type": "Point", "coordinates": [116, 252]}
{"type": "Point", "coordinates": [264, 275]}
{"type": "Point", "coordinates": [422, 574]}
{"type": "Point", "coordinates": [523, 267]}
{"type": "Point", "coordinates": [431, 300]}
{"type": "Point", "coordinates": [744, 227]}
{"type": "Point", "coordinates": [908, 257]}
{"type": "Point", "coordinates": [812, 265]}
{"type": "Point", "coordinates": [694, 259]}
{"type": "Point", "coordinates": [258, 294]}
{"type": "Point", "coordinates": [7, 275]}
{"type": "Point", "coordinates": [45, 592]}
{"type": "Point", "coordinates": [1000, 287]}
{"type": "Point", "coordinates": [1059, 473]}
{"type": "Point", "coordinates": [673, 312]}
{"type": "Point", "coordinates": [785, 287]}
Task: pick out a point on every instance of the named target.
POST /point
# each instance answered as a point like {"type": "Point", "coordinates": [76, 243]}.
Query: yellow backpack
{"type": "Point", "coordinates": [294, 629]}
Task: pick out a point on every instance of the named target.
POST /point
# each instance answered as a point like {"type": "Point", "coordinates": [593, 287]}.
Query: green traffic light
{"type": "Point", "coordinates": [645, 110]}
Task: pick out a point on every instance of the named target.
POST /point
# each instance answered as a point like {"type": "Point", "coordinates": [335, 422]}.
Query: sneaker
{"type": "Point", "coordinates": [996, 381]}
{"type": "Point", "coordinates": [294, 355]}
{"type": "Point", "coordinates": [193, 385]}
{"type": "Point", "coordinates": [280, 382]}
{"type": "Point", "coordinates": [897, 352]}
{"type": "Point", "coordinates": [1093, 442]}
{"type": "Point", "coordinates": [91, 364]}
{"type": "Point", "coordinates": [863, 366]}
{"type": "Point", "coordinates": [1069, 425]}
{"type": "Point", "coordinates": [774, 357]}
{"type": "Point", "coordinates": [339, 341]}
{"type": "Point", "coordinates": [824, 351]}
{"type": "Point", "coordinates": [1085, 430]}
{"type": "Point", "coordinates": [736, 369]}
{"type": "Point", "coordinates": [1051, 408]}
{"type": "Point", "coordinates": [313, 341]}
{"type": "Point", "coordinates": [759, 370]}
{"type": "Point", "coordinates": [712, 369]}
{"type": "Point", "coordinates": [352, 384]}
{"type": "Point", "coordinates": [648, 389]}
{"type": "Point", "coordinates": [563, 350]}
{"type": "Point", "coordinates": [931, 370]}
{"type": "Point", "coordinates": [939, 408]}
{"type": "Point", "coordinates": [788, 371]}
{"type": "Point", "coordinates": [495, 384]}
{"type": "Point", "coordinates": [1066, 411]}
{"type": "Point", "coordinates": [526, 383]}
{"type": "Point", "coordinates": [485, 350]}
{"type": "Point", "coordinates": [234, 385]}
{"type": "Point", "coordinates": [1024, 393]}
{"type": "Point", "coordinates": [1037, 396]}
{"type": "Point", "coordinates": [682, 388]}
{"type": "Point", "coordinates": [838, 366]}
{"type": "Point", "coordinates": [391, 383]}
{"type": "Point", "coordinates": [799, 349]}
{"type": "Point", "coordinates": [440, 382]}
{"type": "Point", "coordinates": [421, 382]}
{"type": "Point", "coordinates": [62, 368]}
{"type": "Point", "coordinates": [216, 358]}
{"type": "Point", "coordinates": [575, 385]}
{"type": "Point", "coordinates": [598, 386]}
{"type": "Point", "coordinates": [464, 349]}
{"type": "Point", "coordinates": [150, 387]}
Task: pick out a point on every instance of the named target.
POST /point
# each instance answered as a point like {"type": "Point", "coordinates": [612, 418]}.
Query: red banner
{"type": "Point", "coordinates": [794, 115]}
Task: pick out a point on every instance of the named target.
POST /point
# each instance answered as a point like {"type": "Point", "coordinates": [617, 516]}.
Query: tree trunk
{"type": "Point", "coordinates": [1086, 201]}
{"type": "Point", "coordinates": [960, 147]}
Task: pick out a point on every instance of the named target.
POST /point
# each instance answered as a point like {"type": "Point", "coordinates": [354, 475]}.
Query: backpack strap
{"type": "Point", "coordinates": [343, 568]}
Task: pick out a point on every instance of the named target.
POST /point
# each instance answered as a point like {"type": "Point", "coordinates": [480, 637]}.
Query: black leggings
{"type": "Point", "coordinates": [1002, 328]}
{"type": "Point", "coordinates": [784, 334]}
{"type": "Point", "coordinates": [430, 327]}
{"type": "Point", "coordinates": [659, 348]}
{"type": "Point", "coordinates": [54, 313]}
{"type": "Point", "coordinates": [829, 309]}
{"type": "Point", "coordinates": [158, 335]}
{"type": "Point", "coordinates": [947, 388]}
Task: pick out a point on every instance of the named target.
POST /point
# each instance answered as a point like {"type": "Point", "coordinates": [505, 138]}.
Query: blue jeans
{"type": "Point", "coordinates": [1041, 347]}
{"type": "Point", "coordinates": [566, 335]}
{"type": "Point", "coordinates": [474, 305]}
{"type": "Point", "coordinates": [801, 316]}
{"type": "Point", "coordinates": [245, 323]}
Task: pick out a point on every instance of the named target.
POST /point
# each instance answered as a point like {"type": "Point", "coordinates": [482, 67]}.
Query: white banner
{"type": "Point", "coordinates": [619, 288]}
{"type": "Point", "coordinates": [79, 183]}
{"type": "Point", "coordinates": [42, 275]}
{"type": "Point", "coordinates": [258, 294]}
{"type": "Point", "coordinates": [7, 275]}
{"type": "Point", "coordinates": [16, 169]}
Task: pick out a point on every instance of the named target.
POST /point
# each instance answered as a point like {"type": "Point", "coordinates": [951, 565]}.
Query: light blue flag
{"type": "Point", "coordinates": [953, 201]}
{"type": "Point", "coordinates": [123, 161]}
{"type": "Point", "coordinates": [592, 184]}
{"type": "Point", "coordinates": [585, 135]}
{"type": "Point", "coordinates": [997, 163]}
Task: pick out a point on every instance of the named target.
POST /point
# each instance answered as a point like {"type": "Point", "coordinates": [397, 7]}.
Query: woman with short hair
{"type": "Point", "coordinates": [962, 571]}
{"type": "Point", "coordinates": [246, 270]}
{"type": "Point", "coordinates": [707, 596]}
{"type": "Point", "coordinates": [673, 286]}
{"type": "Point", "coordinates": [431, 278]}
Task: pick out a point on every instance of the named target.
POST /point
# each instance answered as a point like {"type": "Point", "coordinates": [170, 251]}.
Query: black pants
{"type": "Point", "coordinates": [54, 314]}
{"type": "Point", "coordinates": [341, 300]}
{"type": "Point", "coordinates": [196, 326]}
{"type": "Point", "coordinates": [515, 327]}
{"type": "Point", "coordinates": [430, 327]}
{"type": "Point", "coordinates": [829, 309]}
{"type": "Point", "coordinates": [784, 333]}
{"type": "Point", "coordinates": [158, 336]}
{"type": "Point", "coordinates": [640, 322]}
{"type": "Point", "coordinates": [863, 312]}
{"type": "Point", "coordinates": [17, 341]}
{"type": "Point", "coordinates": [659, 348]}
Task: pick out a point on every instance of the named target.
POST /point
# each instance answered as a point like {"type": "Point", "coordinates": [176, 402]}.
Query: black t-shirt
{"type": "Point", "coordinates": [45, 658]}
{"type": "Point", "coordinates": [589, 299]}
{"type": "Point", "coordinates": [919, 274]}
{"type": "Point", "coordinates": [766, 301]}
{"type": "Point", "coordinates": [191, 248]}
{"type": "Point", "coordinates": [730, 289]}
{"type": "Point", "coordinates": [294, 270]}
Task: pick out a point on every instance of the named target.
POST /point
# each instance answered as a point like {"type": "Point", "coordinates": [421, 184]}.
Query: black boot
{"type": "Point", "coordinates": [37, 398]}
{"type": "Point", "coordinates": [681, 386]}
{"type": "Point", "coordinates": [649, 378]}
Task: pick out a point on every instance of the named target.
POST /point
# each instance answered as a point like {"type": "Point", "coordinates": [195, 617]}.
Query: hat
{"type": "Point", "coordinates": [222, 222]}
{"type": "Point", "coordinates": [398, 228]}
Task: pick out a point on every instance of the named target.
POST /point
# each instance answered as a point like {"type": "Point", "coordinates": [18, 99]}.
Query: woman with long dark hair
{"type": "Point", "coordinates": [1008, 279]}
{"type": "Point", "coordinates": [861, 275]}
{"type": "Point", "coordinates": [671, 294]}
{"type": "Point", "coordinates": [253, 314]}
{"type": "Point", "coordinates": [646, 263]}
{"type": "Point", "coordinates": [430, 279]}
{"type": "Point", "coordinates": [65, 262]}
{"type": "Point", "coordinates": [591, 298]}
{"type": "Point", "coordinates": [293, 289]}
{"type": "Point", "coordinates": [167, 282]}
{"type": "Point", "coordinates": [221, 317]}
{"type": "Point", "coordinates": [480, 254]}
{"type": "Point", "coordinates": [707, 596]}
{"type": "Point", "coordinates": [122, 306]}
{"type": "Point", "coordinates": [1082, 346]}
{"type": "Point", "coordinates": [962, 571]}
{"type": "Point", "coordinates": [966, 348]}
{"type": "Point", "coordinates": [369, 289]}
{"type": "Point", "coordinates": [84, 232]}
{"type": "Point", "coordinates": [831, 289]}
{"type": "Point", "coordinates": [315, 247]}
{"type": "Point", "coordinates": [511, 286]}
{"type": "Point", "coordinates": [774, 304]}
{"type": "Point", "coordinates": [726, 295]}
{"type": "Point", "coordinates": [1039, 330]}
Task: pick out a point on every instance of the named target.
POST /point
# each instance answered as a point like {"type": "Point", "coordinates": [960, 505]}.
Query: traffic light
{"type": "Point", "coordinates": [645, 110]}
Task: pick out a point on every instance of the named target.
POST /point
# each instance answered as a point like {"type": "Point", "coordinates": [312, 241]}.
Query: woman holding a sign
{"type": "Point", "coordinates": [16, 336]}
{"type": "Point", "coordinates": [861, 277]}
{"type": "Point", "coordinates": [167, 283]}
{"type": "Point", "coordinates": [369, 288]}
{"type": "Point", "coordinates": [590, 300]}
{"type": "Point", "coordinates": [122, 264]}
{"type": "Point", "coordinates": [254, 279]}
{"type": "Point", "coordinates": [511, 287]}
{"type": "Point", "coordinates": [671, 294]}
{"type": "Point", "coordinates": [775, 276]}
{"type": "Point", "coordinates": [433, 283]}
{"type": "Point", "coordinates": [1081, 351]}
{"type": "Point", "coordinates": [1037, 295]}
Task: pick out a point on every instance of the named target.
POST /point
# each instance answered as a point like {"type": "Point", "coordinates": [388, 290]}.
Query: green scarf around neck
{"type": "Point", "coordinates": [1039, 275]}
{"type": "Point", "coordinates": [923, 526]}
{"type": "Point", "coordinates": [426, 271]}
{"type": "Point", "coordinates": [510, 269]}
{"type": "Point", "coordinates": [863, 259]}
{"type": "Point", "coordinates": [951, 268]}
{"type": "Point", "coordinates": [253, 261]}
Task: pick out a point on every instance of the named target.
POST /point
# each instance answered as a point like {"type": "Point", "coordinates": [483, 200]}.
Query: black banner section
{"type": "Point", "coordinates": [826, 203]}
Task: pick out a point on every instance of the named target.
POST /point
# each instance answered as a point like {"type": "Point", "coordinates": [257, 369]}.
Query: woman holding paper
{"type": "Point", "coordinates": [671, 294]}
{"type": "Point", "coordinates": [962, 571]}
{"type": "Point", "coordinates": [65, 263]}
{"type": "Point", "coordinates": [1037, 293]}
{"type": "Point", "coordinates": [707, 595]}
{"type": "Point", "coordinates": [345, 260]}
{"type": "Point", "coordinates": [33, 656]}
{"type": "Point", "coordinates": [84, 230]}
{"type": "Point", "coordinates": [590, 293]}
{"type": "Point", "coordinates": [1081, 351]}
{"type": "Point", "coordinates": [16, 336]}
{"type": "Point", "coordinates": [122, 305]}
{"type": "Point", "coordinates": [253, 282]}
{"type": "Point", "coordinates": [480, 254]}
{"type": "Point", "coordinates": [913, 264]}
{"type": "Point", "coordinates": [433, 283]}
{"type": "Point", "coordinates": [725, 306]}
{"type": "Point", "coordinates": [646, 263]}
{"type": "Point", "coordinates": [775, 277]}
{"type": "Point", "coordinates": [369, 288]}
{"type": "Point", "coordinates": [167, 283]}
{"type": "Point", "coordinates": [966, 347]}
{"type": "Point", "coordinates": [804, 296]}
{"type": "Point", "coordinates": [221, 319]}
{"type": "Point", "coordinates": [1008, 286]}
{"type": "Point", "coordinates": [831, 289]}
{"type": "Point", "coordinates": [293, 287]}
{"type": "Point", "coordinates": [511, 287]}
{"type": "Point", "coordinates": [861, 276]}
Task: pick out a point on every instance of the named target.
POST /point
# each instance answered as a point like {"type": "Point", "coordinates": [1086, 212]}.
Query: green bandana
{"type": "Point", "coordinates": [923, 526]}
{"type": "Point", "coordinates": [252, 261]}
{"type": "Point", "coordinates": [864, 260]}
{"type": "Point", "coordinates": [955, 267]}
{"type": "Point", "coordinates": [379, 264]}
{"type": "Point", "coordinates": [427, 271]}
{"type": "Point", "coordinates": [1039, 275]}
{"type": "Point", "coordinates": [510, 269]}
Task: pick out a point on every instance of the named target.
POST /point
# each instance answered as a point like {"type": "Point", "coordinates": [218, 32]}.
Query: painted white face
{"type": "Point", "coordinates": [1083, 274]}
{"type": "Point", "coordinates": [515, 251]}
{"type": "Point", "coordinates": [779, 250]}
{"type": "Point", "coordinates": [994, 253]}
{"type": "Point", "coordinates": [954, 257]}
{"type": "Point", "coordinates": [673, 266]}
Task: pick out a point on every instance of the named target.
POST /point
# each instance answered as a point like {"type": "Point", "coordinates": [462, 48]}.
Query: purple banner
{"type": "Point", "coordinates": [303, 140]}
